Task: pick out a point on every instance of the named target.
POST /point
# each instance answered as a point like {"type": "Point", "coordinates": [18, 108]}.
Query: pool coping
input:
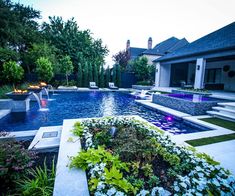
{"type": "Point", "coordinates": [181, 138]}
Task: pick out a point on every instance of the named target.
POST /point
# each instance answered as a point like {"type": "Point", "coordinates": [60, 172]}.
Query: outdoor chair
{"type": "Point", "coordinates": [112, 86]}
{"type": "Point", "coordinates": [93, 85]}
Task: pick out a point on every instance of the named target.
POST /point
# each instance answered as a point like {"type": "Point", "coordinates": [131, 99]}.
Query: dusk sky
{"type": "Point", "coordinates": [115, 21]}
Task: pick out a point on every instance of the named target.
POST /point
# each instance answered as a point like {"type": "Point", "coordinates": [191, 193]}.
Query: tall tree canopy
{"type": "Point", "coordinates": [69, 40]}
{"type": "Point", "coordinates": [122, 58]}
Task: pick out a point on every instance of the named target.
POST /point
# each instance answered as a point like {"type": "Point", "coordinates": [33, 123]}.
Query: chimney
{"type": "Point", "coordinates": [150, 43]}
{"type": "Point", "coordinates": [128, 44]}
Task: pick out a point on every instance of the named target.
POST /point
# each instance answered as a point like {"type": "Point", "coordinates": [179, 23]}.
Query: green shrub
{"type": "Point", "coordinates": [40, 182]}
{"type": "Point", "coordinates": [12, 72]}
{"type": "Point", "coordinates": [5, 89]}
{"type": "Point", "coordinates": [144, 83]}
{"type": "Point", "coordinates": [44, 69]}
{"type": "Point", "coordinates": [15, 161]}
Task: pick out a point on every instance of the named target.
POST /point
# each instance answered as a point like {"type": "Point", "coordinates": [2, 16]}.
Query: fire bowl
{"type": "Point", "coordinates": [18, 96]}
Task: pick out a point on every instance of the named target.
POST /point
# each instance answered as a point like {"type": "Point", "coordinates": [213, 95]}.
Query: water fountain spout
{"type": "Point", "coordinates": [51, 88]}
{"type": "Point", "coordinates": [46, 91]}
{"type": "Point", "coordinates": [37, 99]}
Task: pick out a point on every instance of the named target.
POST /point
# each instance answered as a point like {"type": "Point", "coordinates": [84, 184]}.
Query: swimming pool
{"type": "Point", "coordinates": [71, 105]}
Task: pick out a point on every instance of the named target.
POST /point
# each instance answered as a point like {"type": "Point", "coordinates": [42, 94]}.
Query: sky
{"type": "Point", "coordinates": [116, 21]}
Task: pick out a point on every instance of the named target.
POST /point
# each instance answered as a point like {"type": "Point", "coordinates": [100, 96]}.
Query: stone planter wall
{"type": "Point", "coordinates": [190, 92]}
{"type": "Point", "coordinates": [189, 107]}
{"type": "Point", "coordinates": [141, 87]}
{"type": "Point", "coordinates": [5, 104]}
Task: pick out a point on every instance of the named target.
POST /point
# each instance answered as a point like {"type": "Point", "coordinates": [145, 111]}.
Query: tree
{"type": "Point", "coordinates": [107, 76]}
{"type": "Point", "coordinates": [66, 67]}
{"type": "Point", "coordinates": [96, 77]}
{"type": "Point", "coordinates": [41, 50]}
{"type": "Point", "coordinates": [69, 39]}
{"type": "Point", "coordinates": [80, 73]}
{"type": "Point", "coordinates": [44, 69]}
{"type": "Point", "coordinates": [102, 85]}
{"type": "Point", "coordinates": [122, 58]}
{"type": "Point", "coordinates": [90, 73]}
{"type": "Point", "coordinates": [12, 72]}
{"type": "Point", "coordinates": [141, 68]}
{"type": "Point", "coordinates": [114, 75]}
{"type": "Point", "coordinates": [85, 75]}
{"type": "Point", "coordinates": [18, 31]}
{"type": "Point", "coordinates": [118, 81]}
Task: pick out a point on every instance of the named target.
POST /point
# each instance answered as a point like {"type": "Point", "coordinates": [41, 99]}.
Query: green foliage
{"type": "Point", "coordinates": [147, 169]}
{"type": "Point", "coordinates": [12, 72]}
{"type": "Point", "coordinates": [144, 83]}
{"type": "Point", "coordinates": [136, 182]}
{"type": "Point", "coordinates": [90, 73]}
{"type": "Point", "coordinates": [114, 75]}
{"type": "Point", "coordinates": [78, 129]}
{"type": "Point", "coordinates": [102, 85]}
{"type": "Point", "coordinates": [5, 89]}
{"type": "Point", "coordinates": [44, 69]}
{"type": "Point", "coordinates": [79, 45]}
{"type": "Point", "coordinates": [6, 54]}
{"type": "Point", "coordinates": [141, 69]}
{"type": "Point", "coordinates": [39, 50]}
{"type": "Point", "coordinates": [107, 76]}
{"type": "Point", "coordinates": [40, 182]}
{"type": "Point", "coordinates": [153, 181]}
{"type": "Point", "coordinates": [15, 160]}
{"type": "Point", "coordinates": [102, 138]}
{"type": "Point", "coordinates": [122, 58]}
{"type": "Point", "coordinates": [96, 75]}
{"type": "Point", "coordinates": [118, 80]}
{"type": "Point", "coordinates": [208, 159]}
{"type": "Point", "coordinates": [95, 156]}
{"type": "Point", "coordinates": [66, 66]}
{"type": "Point", "coordinates": [79, 78]}
{"type": "Point", "coordinates": [85, 75]}
{"type": "Point", "coordinates": [115, 177]}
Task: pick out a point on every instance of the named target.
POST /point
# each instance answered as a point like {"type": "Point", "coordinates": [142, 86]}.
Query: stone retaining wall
{"type": "Point", "coordinates": [189, 107]}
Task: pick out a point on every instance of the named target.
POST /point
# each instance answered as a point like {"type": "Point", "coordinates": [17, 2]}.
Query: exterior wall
{"type": "Point", "coordinates": [229, 83]}
{"type": "Point", "coordinates": [165, 75]}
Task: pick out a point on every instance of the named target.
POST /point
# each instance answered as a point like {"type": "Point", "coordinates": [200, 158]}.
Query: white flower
{"type": "Point", "coordinates": [111, 191]}
{"type": "Point", "coordinates": [100, 186]}
{"type": "Point", "coordinates": [143, 193]}
{"type": "Point", "coordinates": [119, 193]}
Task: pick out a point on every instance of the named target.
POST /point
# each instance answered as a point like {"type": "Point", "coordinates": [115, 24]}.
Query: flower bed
{"type": "Point", "coordinates": [129, 156]}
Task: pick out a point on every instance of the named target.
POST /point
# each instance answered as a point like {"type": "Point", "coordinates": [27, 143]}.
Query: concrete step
{"type": "Point", "coordinates": [46, 138]}
{"type": "Point", "coordinates": [224, 110]}
{"type": "Point", "coordinates": [228, 105]}
{"type": "Point", "coordinates": [221, 115]}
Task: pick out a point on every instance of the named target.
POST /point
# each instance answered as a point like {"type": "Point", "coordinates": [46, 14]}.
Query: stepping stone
{"type": "Point", "coordinates": [46, 138]}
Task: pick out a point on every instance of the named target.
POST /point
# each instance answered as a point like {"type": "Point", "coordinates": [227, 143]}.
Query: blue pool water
{"type": "Point", "coordinates": [194, 97]}
{"type": "Point", "coordinates": [70, 105]}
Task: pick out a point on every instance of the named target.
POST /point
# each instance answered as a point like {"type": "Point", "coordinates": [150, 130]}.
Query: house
{"type": "Point", "coordinates": [161, 49]}
{"type": "Point", "coordinates": [208, 62]}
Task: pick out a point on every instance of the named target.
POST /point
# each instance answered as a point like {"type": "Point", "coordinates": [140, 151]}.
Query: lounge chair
{"type": "Point", "coordinates": [112, 86]}
{"type": "Point", "coordinates": [93, 85]}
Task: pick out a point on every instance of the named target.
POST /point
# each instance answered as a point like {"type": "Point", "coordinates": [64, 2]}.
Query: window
{"type": "Point", "coordinates": [213, 76]}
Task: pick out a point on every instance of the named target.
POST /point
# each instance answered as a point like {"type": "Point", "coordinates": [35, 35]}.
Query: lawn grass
{"type": "Point", "coordinates": [220, 122]}
{"type": "Point", "coordinates": [211, 140]}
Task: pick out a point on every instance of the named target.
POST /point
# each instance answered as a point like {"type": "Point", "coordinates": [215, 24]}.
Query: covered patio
{"type": "Point", "coordinates": [207, 63]}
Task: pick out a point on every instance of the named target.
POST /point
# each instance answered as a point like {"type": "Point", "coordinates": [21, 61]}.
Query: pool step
{"type": "Point", "coordinates": [222, 115]}
{"type": "Point", "coordinates": [229, 105]}
{"type": "Point", "coordinates": [46, 138]}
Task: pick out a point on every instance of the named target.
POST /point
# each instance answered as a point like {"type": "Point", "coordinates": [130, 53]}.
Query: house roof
{"type": "Point", "coordinates": [221, 39]}
{"type": "Point", "coordinates": [167, 46]}
{"type": "Point", "coordinates": [135, 52]}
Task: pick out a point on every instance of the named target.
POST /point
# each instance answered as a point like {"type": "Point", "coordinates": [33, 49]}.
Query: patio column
{"type": "Point", "coordinates": [200, 73]}
{"type": "Point", "coordinates": [157, 75]}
